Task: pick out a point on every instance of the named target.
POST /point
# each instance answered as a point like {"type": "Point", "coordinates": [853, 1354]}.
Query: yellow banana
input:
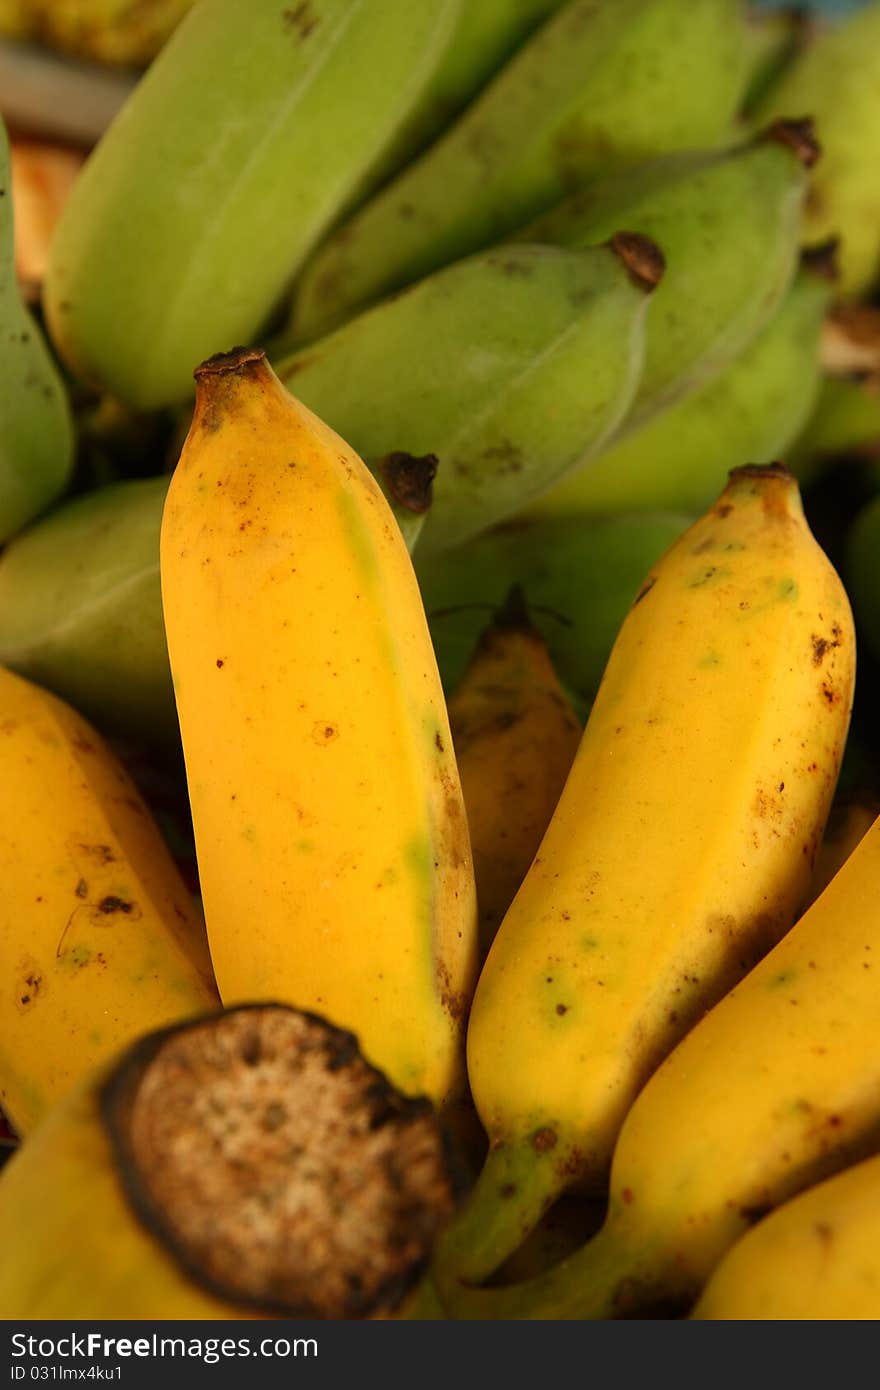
{"type": "Point", "coordinates": [100, 938]}
{"type": "Point", "coordinates": [330, 829]}
{"type": "Point", "coordinates": [774, 1090]}
{"type": "Point", "coordinates": [245, 1164]}
{"type": "Point", "coordinates": [679, 852]}
{"type": "Point", "coordinates": [817, 1257]}
{"type": "Point", "coordinates": [515, 736]}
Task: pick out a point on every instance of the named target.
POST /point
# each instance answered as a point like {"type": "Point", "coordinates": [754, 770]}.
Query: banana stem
{"type": "Point", "coordinates": [517, 1184]}
{"type": "Point", "coordinates": [612, 1276]}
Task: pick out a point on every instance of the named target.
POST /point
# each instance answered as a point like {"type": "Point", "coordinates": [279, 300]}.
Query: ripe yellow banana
{"type": "Point", "coordinates": [245, 1164]}
{"type": "Point", "coordinates": [679, 852]}
{"type": "Point", "coordinates": [330, 830]}
{"type": "Point", "coordinates": [817, 1257]}
{"type": "Point", "coordinates": [100, 938]}
{"type": "Point", "coordinates": [515, 736]}
{"type": "Point", "coordinates": [777, 1088]}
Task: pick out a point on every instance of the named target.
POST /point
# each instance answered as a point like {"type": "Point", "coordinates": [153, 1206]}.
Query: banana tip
{"type": "Point", "coordinates": [797, 134]}
{"type": "Point", "coordinates": [223, 363]}
{"type": "Point", "coordinates": [642, 258]}
{"type": "Point", "coordinates": [275, 1166]}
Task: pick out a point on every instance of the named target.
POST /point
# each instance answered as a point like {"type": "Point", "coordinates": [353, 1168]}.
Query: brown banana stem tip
{"type": "Point", "coordinates": [276, 1166]}
{"type": "Point", "coordinates": [798, 135]}
{"type": "Point", "coordinates": [513, 614]}
{"type": "Point", "coordinates": [822, 260]}
{"type": "Point", "coordinates": [409, 478]}
{"type": "Point", "coordinates": [233, 361]}
{"type": "Point", "coordinates": [642, 258]}
{"type": "Point", "coordinates": [762, 472]}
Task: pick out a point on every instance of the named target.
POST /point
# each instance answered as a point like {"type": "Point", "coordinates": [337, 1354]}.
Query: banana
{"type": "Point", "coordinates": [815, 1258]}
{"type": "Point", "coordinates": [36, 425]}
{"type": "Point", "coordinates": [729, 223]}
{"type": "Point", "coordinates": [485, 37]}
{"type": "Point", "coordinates": [774, 1090]}
{"type": "Point", "coordinates": [105, 31]}
{"type": "Point", "coordinates": [836, 79]}
{"type": "Point", "coordinates": [845, 422]}
{"type": "Point", "coordinates": [81, 608]}
{"type": "Point", "coordinates": [239, 146]}
{"type": "Point", "coordinates": [247, 1164]}
{"type": "Point", "coordinates": [580, 573]}
{"type": "Point", "coordinates": [99, 934]}
{"type": "Point", "coordinates": [14, 19]}
{"type": "Point", "coordinates": [679, 852]}
{"type": "Point", "coordinates": [753, 409]}
{"type": "Point", "coordinates": [599, 85]}
{"type": "Point", "coordinates": [515, 736]}
{"type": "Point", "coordinates": [510, 367]}
{"type": "Point", "coordinates": [81, 605]}
{"type": "Point", "coordinates": [330, 829]}
{"type": "Point", "coordinates": [774, 38]}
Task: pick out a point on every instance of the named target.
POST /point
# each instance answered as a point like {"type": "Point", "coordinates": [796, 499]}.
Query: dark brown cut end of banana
{"type": "Point", "coordinates": [279, 1169]}
{"type": "Point", "coordinates": [642, 257]}
{"type": "Point", "coordinates": [762, 472]}
{"type": "Point", "coordinates": [409, 479]}
{"type": "Point", "coordinates": [823, 259]}
{"type": "Point", "coordinates": [798, 135]}
{"type": "Point", "coordinates": [232, 361]}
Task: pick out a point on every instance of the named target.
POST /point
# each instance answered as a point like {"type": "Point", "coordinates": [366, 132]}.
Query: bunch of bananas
{"type": "Point", "coordinates": [419, 739]}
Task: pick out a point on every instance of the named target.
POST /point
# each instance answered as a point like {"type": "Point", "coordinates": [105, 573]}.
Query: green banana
{"type": "Point", "coordinates": [36, 426]}
{"type": "Point", "coordinates": [750, 412]}
{"type": "Point", "coordinates": [81, 609]}
{"type": "Point", "coordinates": [845, 422]}
{"type": "Point", "coordinates": [240, 145]}
{"type": "Point", "coordinates": [580, 574]}
{"type": "Point", "coordinates": [510, 367]}
{"type": "Point", "coordinates": [602, 83]}
{"type": "Point", "coordinates": [729, 223]}
{"type": "Point", "coordinates": [774, 37]}
{"type": "Point", "coordinates": [837, 81]}
{"type": "Point", "coordinates": [485, 37]}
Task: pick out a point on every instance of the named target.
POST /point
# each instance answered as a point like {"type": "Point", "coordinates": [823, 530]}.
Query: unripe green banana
{"type": "Point", "coordinates": [36, 427]}
{"type": "Point", "coordinates": [510, 367]}
{"type": "Point", "coordinates": [837, 81]}
{"type": "Point", "coordinates": [845, 422]}
{"type": "Point", "coordinates": [580, 573]}
{"type": "Point", "coordinates": [241, 144]}
{"type": "Point", "coordinates": [600, 85]}
{"type": "Point", "coordinates": [81, 609]}
{"type": "Point", "coordinates": [750, 412]}
{"type": "Point", "coordinates": [486, 35]}
{"type": "Point", "coordinates": [774, 38]}
{"type": "Point", "coordinates": [729, 224]}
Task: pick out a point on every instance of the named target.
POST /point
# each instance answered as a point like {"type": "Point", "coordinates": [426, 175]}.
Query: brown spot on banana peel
{"type": "Point", "coordinates": [265, 1118]}
{"type": "Point", "coordinates": [641, 257]}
